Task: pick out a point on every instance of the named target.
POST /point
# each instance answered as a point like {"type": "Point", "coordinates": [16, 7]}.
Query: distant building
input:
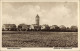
{"type": "Point", "coordinates": [45, 27]}
{"type": "Point", "coordinates": [23, 27]}
{"type": "Point", "coordinates": [35, 27]}
{"type": "Point", "coordinates": [8, 27]}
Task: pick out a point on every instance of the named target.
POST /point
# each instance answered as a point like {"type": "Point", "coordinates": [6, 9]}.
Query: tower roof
{"type": "Point", "coordinates": [37, 15]}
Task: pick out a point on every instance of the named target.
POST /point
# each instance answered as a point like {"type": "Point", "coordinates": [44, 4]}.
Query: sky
{"type": "Point", "coordinates": [51, 13]}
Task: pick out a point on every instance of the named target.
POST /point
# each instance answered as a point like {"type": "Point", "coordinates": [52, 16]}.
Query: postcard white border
{"type": "Point", "coordinates": [40, 49]}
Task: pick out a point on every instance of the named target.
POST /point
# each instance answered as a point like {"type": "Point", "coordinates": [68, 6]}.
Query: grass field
{"type": "Point", "coordinates": [39, 39]}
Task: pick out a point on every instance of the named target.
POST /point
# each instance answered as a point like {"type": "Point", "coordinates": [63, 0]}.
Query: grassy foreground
{"type": "Point", "coordinates": [39, 39]}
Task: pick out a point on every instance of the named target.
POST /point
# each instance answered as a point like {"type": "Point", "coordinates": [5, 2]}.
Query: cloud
{"type": "Point", "coordinates": [60, 15]}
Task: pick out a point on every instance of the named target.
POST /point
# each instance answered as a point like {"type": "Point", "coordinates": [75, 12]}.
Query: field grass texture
{"type": "Point", "coordinates": [39, 39]}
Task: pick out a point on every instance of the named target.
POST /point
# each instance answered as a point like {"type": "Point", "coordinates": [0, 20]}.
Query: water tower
{"type": "Point", "coordinates": [37, 20]}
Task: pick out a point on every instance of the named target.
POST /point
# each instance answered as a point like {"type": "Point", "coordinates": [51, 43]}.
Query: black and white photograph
{"type": "Point", "coordinates": [40, 24]}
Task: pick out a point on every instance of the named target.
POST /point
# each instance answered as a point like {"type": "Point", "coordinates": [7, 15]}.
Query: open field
{"type": "Point", "coordinates": [39, 39]}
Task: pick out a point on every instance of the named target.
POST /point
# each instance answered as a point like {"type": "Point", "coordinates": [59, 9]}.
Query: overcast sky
{"type": "Point", "coordinates": [51, 13]}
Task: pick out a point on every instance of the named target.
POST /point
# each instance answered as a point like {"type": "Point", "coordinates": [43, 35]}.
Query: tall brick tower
{"type": "Point", "coordinates": [37, 20]}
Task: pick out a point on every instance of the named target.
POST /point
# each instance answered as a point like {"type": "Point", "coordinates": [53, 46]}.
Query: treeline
{"type": "Point", "coordinates": [53, 28]}
{"type": "Point", "coordinates": [61, 28]}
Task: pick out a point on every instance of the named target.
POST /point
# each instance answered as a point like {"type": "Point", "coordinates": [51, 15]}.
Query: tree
{"type": "Point", "coordinates": [62, 28]}
{"type": "Point", "coordinates": [54, 28]}
{"type": "Point", "coordinates": [68, 29]}
{"type": "Point", "coordinates": [74, 28]}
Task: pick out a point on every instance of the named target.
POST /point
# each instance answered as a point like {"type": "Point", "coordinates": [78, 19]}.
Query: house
{"type": "Point", "coordinates": [23, 27]}
{"type": "Point", "coordinates": [45, 27]}
{"type": "Point", "coordinates": [35, 27]}
{"type": "Point", "coordinates": [8, 27]}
